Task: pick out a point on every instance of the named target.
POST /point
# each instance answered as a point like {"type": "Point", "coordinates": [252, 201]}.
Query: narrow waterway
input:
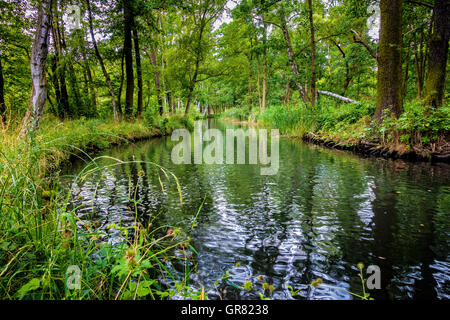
{"type": "Point", "coordinates": [320, 215]}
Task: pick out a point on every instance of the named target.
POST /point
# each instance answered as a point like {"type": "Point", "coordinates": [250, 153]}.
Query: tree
{"type": "Point", "coordinates": [437, 62]}
{"type": "Point", "coordinates": [128, 54]}
{"type": "Point", "coordinates": [38, 59]}
{"type": "Point", "coordinates": [204, 13]}
{"type": "Point", "coordinates": [313, 53]}
{"type": "Point", "coordinates": [2, 91]}
{"type": "Point", "coordinates": [100, 61]}
{"type": "Point", "coordinates": [389, 94]}
{"type": "Point", "coordinates": [290, 53]}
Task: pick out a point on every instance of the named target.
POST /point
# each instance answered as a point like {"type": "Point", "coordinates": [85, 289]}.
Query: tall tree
{"type": "Point", "coordinates": [437, 62]}
{"type": "Point", "coordinates": [2, 91]}
{"type": "Point", "coordinates": [59, 72]}
{"type": "Point", "coordinates": [128, 53]}
{"type": "Point", "coordinates": [389, 85]}
{"type": "Point", "coordinates": [290, 52]}
{"type": "Point", "coordinates": [137, 52]}
{"type": "Point", "coordinates": [100, 61]}
{"type": "Point", "coordinates": [204, 13]}
{"type": "Point", "coordinates": [313, 53]}
{"type": "Point", "coordinates": [153, 61]}
{"type": "Point", "coordinates": [38, 60]}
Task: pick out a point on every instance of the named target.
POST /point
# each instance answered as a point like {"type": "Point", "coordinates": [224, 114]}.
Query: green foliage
{"type": "Point", "coordinates": [42, 239]}
{"type": "Point", "coordinates": [167, 124]}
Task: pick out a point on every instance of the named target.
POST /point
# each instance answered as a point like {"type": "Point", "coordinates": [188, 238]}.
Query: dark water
{"type": "Point", "coordinates": [324, 212]}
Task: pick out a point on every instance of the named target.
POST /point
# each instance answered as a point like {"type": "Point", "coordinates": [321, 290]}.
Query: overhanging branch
{"type": "Point", "coordinates": [358, 39]}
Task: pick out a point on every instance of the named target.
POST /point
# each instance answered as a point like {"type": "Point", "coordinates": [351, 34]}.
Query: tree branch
{"type": "Point", "coordinates": [364, 43]}
{"type": "Point", "coordinates": [421, 3]}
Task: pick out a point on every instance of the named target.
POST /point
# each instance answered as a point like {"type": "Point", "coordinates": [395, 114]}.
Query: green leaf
{"type": "Point", "coordinates": [31, 285]}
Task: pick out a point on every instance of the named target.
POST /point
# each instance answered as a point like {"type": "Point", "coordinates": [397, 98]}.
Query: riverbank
{"type": "Point", "coordinates": [42, 246]}
{"type": "Point", "coordinates": [419, 134]}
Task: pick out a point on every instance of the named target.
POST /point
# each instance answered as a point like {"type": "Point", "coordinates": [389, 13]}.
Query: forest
{"type": "Point", "coordinates": [81, 76]}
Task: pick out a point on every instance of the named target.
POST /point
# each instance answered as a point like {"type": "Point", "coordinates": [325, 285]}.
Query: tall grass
{"type": "Point", "coordinates": [40, 233]}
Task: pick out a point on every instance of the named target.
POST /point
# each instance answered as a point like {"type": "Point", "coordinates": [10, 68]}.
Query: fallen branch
{"type": "Point", "coordinates": [339, 97]}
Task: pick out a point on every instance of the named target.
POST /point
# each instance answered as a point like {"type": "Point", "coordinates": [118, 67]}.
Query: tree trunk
{"type": "Point", "coordinates": [2, 92]}
{"type": "Point", "coordinates": [63, 104]}
{"type": "Point", "coordinates": [348, 77]}
{"type": "Point", "coordinates": [119, 96]}
{"type": "Point", "coordinates": [59, 109]}
{"type": "Point", "coordinates": [157, 82]}
{"type": "Point", "coordinates": [390, 60]}
{"type": "Point", "coordinates": [138, 68]}
{"type": "Point", "coordinates": [128, 51]}
{"type": "Point", "coordinates": [38, 59]}
{"type": "Point", "coordinates": [90, 84]}
{"type": "Point", "coordinates": [250, 76]}
{"type": "Point", "coordinates": [437, 61]}
{"type": "Point", "coordinates": [420, 61]}
{"type": "Point", "coordinates": [264, 79]}
{"type": "Point", "coordinates": [102, 65]}
{"type": "Point", "coordinates": [313, 55]}
{"type": "Point", "coordinates": [72, 76]}
{"type": "Point", "coordinates": [405, 74]}
{"type": "Point", "coordinates": [290, 52]}
{"type": "Point", "coordinates": [153, 60]}
{"type": "Point", "coordinates": [197, 64]}
{"type": "Point", "coordinates": [258, 77]}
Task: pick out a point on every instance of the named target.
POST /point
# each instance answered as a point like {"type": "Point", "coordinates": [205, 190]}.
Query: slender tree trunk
{"type": "Point", "coordinates": [64, 104]}
{"type": "Point", "coordinates": [128, 51]}
{"type": "Point", "coordinates": [153, 60]}
{"type": "Point", "coordinates": [313, 55]}
{"type": "Point", "coordinates": [348, 77]}
{"type": "Point", "coordinates": [419, 59]}
{"type": "Point", "coordinates": [90, 84]}
{"type": "Point", "coordinates": [258, 77]}
{"type": "Point", "coordinates": [405, 74]}
{"type": "Point", "coordinates": [290, 52]}
{"type": "Point", "coordinates": [91, 88]}
{"type": "Point", "coordinates": [250, 80]}
{"type": "Point", "coordinates": [2, 92]}
{"type": "Point", "coordinates": [138, 68]}
{"type": "Point", "coordinates": [72, 75]}
{"type": "Point", "coordinates": [437, 62]}
{"type": "Point", "coordinates": [102, 65]}
{"type": "Point", "coordinates": [38, 59]}
{"type": "Point", "coordinates": [264, 80]}
{"type": "Point", "coordinates": [197, 65]}
{"type": "Point", "coordinates": [390, 60]}
{"type": "Point", "coordinates": [171, 102]}
{"type": "Point", "coordinates": [122, 74]}
{"type": "Point", "coordinates": [157, 82]}
{"type": "Point", "coordinates": [258, 83]}
{"type": "Point", "coordinates": [59, 108]}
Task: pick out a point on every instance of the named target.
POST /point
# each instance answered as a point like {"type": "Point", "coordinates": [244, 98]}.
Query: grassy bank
{"type": "Point", "coordinates": [41, 236]}
{"type": "Point", "coordinates": [418, 133]}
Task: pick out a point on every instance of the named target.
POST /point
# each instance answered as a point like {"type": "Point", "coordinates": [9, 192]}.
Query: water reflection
{"type": "Point", "coordinates": [323, 212]}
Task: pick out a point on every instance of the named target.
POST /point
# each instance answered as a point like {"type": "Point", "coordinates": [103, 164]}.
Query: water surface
{"type": "Point", "coordinates": [324, 212]}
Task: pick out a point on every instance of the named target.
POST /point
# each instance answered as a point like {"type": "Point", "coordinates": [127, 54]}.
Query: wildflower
{"type": "Point", "coordinates": [248, 285]}
{"type": "Point", "coordinates": [316, 282]}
